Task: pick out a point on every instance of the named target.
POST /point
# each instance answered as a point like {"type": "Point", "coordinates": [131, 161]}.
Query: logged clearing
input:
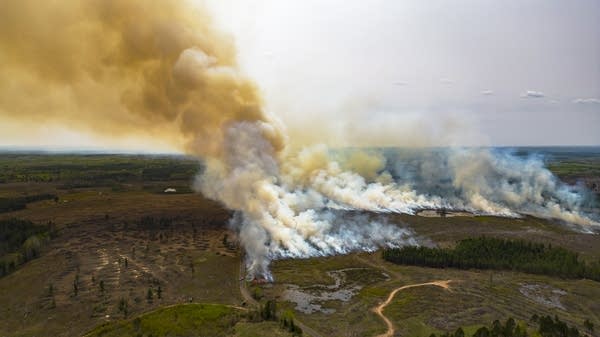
{"type": "Point", "coordinates": [136, 251]}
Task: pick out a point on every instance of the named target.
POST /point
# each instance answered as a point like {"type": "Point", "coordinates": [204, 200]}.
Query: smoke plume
{"type": "Point", "coordinates": [158, 68]}
{"type": "Point", "coordinates": [124, 67]}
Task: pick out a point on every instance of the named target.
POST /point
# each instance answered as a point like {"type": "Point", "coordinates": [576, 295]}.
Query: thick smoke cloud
{"type": "Point", "coordinates": [121, 68]}
{"type": "Point", "coordinates": [283, 214]}
{"type": "Point", "coordinates": [497, 182]}
{"type": "Point", "coordinates": [158, 68]}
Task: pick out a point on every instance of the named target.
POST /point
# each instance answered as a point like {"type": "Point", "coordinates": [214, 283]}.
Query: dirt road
{"type": "Point", "coordinates": [379, 309]}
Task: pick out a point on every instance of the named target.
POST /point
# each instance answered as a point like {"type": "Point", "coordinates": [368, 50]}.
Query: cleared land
{"type": "Point", "coordinates": [118, 235]}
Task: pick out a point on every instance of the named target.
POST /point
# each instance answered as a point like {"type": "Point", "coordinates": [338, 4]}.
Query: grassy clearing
{"type": "Point", "coordinates": [210, 320]}
{"type": "Point", "coordinates": [314, 270]}
{"type": "Point", "coordinates": [576, 168]}
{"type": "Point", "coordinates": [194, 319]}
{"type": "Point", "coordinates": [261, 329]}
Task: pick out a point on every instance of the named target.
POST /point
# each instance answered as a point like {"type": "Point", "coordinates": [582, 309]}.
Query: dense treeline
{"type": "Point", "coordinates": [493, 253]}
{"type": "Point", "coordinates": [17, 203]}
{"type": "Point", "coordinates": [14, 232]}
{"type": "Point", "coordinates": [544, 326]}
{"type": "Point", "coordinates": [21, 241]}
{"type": "Point", "coordinates": [89, 170]}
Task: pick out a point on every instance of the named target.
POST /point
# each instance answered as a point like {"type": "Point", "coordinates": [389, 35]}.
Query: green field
{"type": "Point", "coordinates": [193, 320]}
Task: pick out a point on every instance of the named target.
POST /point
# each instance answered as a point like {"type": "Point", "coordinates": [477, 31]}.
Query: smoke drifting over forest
{"type": "Point", "coordinates": [122, 68]}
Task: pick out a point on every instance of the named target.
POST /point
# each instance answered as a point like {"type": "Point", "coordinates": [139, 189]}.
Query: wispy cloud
{"type": "Point", "coordinates": [487, 92]}
{"type": "Point", "coordinates": [587, 101]}
{"type": "Point", "coordinates": [446, 81]}
{"type": "Point", "coordinates": [533, 94]}
{"type": "Point", "coordinates": [400, 83]}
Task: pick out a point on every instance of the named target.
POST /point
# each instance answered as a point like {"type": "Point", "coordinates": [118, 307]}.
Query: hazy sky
{"type": "Point", "coordinates": [409, 72]}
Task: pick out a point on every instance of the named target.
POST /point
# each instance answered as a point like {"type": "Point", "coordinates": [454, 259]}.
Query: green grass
{"type": "Point", "coordinates": [261, 329]}
{"type": "Point", "coordinates": [417, 328]}
{"type": "Point", "coordinates": [195, 319]}
{"type": "Point", "coordinates": [211, 320]}
{"type": "Point", "coordinates": [376, 292]}
{"type": "Point", "coordinates": [583, 167]}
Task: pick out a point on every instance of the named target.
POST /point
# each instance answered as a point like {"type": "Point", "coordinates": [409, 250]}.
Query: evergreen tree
{"type": "Point", "coordinates": [75, 287]}
{"type": "Point", "coordinates": [589, 326]}
{"type": "Point", "coordinates": [124, 307]}
{"type": "Point", "coordinates": [493, 253]}
{"type": "Point", "coordinates": [150, 295]}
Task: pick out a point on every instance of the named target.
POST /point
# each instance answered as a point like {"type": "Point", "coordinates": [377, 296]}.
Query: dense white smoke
{"type": "Point", "coordinates": [292, 205]}
{"type": "Point", "coordinates": [279, 217]}
{"type": "Point", "coordinates": [496, 182]}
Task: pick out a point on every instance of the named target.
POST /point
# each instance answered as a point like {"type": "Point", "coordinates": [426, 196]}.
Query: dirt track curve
{"type": "Point", "coordinates": [379, 309]}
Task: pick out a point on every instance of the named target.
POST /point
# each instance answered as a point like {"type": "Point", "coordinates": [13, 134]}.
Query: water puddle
{"type": "Point", "coordinates": [310, 299]}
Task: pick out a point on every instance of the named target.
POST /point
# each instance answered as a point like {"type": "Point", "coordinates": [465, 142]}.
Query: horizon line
{"type": "Point", "coordinates": [101, 150]}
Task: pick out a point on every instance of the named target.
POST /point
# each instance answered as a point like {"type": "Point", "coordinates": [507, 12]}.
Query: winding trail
{"type": "Point", "coordinates": [379, 309]}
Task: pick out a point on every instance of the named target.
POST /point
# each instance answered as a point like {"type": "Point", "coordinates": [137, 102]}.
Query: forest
{"type": "Point", "coordinates": [18, 203]}
{"type": "Point", "coordinates": [499, 254]}
{"type": "Point", "coordinates": [21, 241]}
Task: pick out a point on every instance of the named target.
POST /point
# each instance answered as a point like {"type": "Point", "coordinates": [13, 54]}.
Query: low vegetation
{"type": "Point", "coordinates": [200, 319]}
{"type": "Point", "coordinates": [576, 167]}
{"type": "Point", "coordinates": [178, 320]}
{"type": "Point", "coordinates": [501, 254]}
